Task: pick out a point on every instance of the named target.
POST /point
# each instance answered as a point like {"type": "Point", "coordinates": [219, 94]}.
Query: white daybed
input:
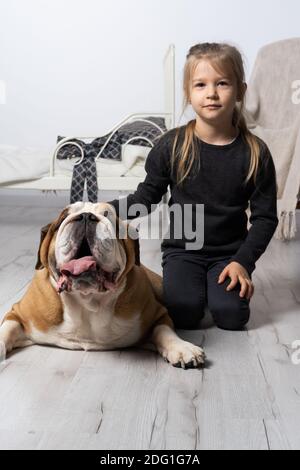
{"type": "Point", "coordinates": [111, 174]}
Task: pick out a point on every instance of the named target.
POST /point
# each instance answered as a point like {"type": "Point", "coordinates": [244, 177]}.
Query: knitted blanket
{"type": "Point", "coordinates": [272, 110]}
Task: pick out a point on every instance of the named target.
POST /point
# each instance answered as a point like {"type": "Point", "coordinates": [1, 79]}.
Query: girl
{"type": "Point", "coordinates": [216, 161]}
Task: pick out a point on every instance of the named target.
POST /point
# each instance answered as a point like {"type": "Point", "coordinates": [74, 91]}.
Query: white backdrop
{"type": "Point", "coordinates": [79, 66]}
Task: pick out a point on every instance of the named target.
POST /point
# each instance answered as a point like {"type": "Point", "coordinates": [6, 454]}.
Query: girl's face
{"type": "Point", "coordinates": [207, 88]}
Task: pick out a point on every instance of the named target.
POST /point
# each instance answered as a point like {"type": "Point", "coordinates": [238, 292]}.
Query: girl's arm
{"type": "Point", "coordinates": [263, 206]}
{"type": "Point", "coordinates": [150, 191]}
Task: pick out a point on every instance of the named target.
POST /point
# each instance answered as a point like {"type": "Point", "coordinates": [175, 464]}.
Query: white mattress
{"type": "Point", "coordinates": [27, 163]}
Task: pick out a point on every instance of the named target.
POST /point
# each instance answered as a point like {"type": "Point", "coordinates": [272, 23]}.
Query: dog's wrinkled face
{"type": "Point", "coordinates": [85, 252]}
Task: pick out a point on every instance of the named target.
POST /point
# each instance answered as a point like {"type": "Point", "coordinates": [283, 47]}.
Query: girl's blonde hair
{"type": "Point", "coordinates": [222, 57]}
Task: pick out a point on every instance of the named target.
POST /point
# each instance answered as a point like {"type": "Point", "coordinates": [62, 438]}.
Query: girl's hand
{"type": "Point", "coordinates": [237, 272]}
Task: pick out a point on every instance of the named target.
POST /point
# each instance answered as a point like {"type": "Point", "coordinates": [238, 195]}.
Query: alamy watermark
{"type": "Point", "coordinates": [296, 93]}
{"type": "Point", "coordinates": [186, 222]}
{"type": "Point", "coordinates": [295, 357]}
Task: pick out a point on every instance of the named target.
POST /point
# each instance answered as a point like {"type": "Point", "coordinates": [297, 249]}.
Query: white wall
{"type": "Point", "coordinates": [79, 66]}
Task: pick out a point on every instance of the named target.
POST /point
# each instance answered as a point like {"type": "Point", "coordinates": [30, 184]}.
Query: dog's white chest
{"type": "Point", "coordinates": [92, 324]}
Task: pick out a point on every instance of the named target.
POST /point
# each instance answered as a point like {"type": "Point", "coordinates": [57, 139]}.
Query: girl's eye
{"type": "Point", "coordinates": [203, 84]}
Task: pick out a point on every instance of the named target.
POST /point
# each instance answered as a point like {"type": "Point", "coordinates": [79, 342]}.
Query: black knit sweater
{"type": "Point", "coordinates": [218, 184]}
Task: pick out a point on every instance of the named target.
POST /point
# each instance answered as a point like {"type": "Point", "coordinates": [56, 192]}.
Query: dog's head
{"type": "Point", "coordinates": [88, 248]}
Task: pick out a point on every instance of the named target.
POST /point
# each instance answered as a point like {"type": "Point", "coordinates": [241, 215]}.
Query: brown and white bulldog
{"type": "Point", "coordinates": [90, 291]}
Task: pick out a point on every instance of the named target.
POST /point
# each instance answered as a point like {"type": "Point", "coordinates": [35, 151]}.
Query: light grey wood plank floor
{"type": "Point", "coordinates": [248, 397]}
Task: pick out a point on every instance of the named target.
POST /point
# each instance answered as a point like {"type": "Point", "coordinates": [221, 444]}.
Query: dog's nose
{"type": "Point", "coordinates": [86, 217]}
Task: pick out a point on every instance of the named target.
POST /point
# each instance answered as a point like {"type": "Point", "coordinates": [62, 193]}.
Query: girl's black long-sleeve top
{"type": "Point", "coordinates": [218, 185]}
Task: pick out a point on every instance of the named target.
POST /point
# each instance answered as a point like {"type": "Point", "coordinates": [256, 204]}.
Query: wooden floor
{"type": "Point", "coordinates": [248, 396]}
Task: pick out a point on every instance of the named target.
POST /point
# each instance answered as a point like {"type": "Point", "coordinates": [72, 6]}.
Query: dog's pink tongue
{"type": "Point", "coordinates": [78, 266]}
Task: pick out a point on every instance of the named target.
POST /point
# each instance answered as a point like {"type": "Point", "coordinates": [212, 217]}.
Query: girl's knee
{"type": "Point", "coordinates": [186, 320]}
{"type": "Point", "coordinates": [185, 314]}
{"type": "Point", "coordinates": [232, 324]}
{"type": "Point", "coordinates": [232, 317]}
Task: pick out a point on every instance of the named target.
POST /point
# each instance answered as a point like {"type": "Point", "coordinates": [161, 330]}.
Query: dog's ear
{"type": "Point", "coordinates": [131, 233]}
{"type": "Point", "coordinates": [47, 233]}
{"type": "Point", "coordinates": [44, 231]}
{"type": "Point", "coordinates": [132, 247]}
{"type": "Point", "coordinates": [137, 249]}
{"type": "Point", "coordinates": [133, 236]}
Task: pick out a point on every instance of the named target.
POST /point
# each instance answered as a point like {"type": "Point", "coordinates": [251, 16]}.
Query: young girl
{"type": "Point", "coordinates": [216, 161]}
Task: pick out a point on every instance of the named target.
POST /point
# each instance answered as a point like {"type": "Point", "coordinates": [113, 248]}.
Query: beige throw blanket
{"type": "Point", "coordinates": [273, 113]}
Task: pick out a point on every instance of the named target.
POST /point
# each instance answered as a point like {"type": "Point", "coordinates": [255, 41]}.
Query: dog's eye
{"type": "Point", "coordinates": [106, 213]}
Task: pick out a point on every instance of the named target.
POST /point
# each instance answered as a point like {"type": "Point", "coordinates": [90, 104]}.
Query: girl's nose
{"type": "Point", "coordinates": [212, 92]}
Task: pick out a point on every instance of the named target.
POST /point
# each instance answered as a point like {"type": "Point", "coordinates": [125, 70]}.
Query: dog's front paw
{"type": "Point", "coordinates": [184, 354]}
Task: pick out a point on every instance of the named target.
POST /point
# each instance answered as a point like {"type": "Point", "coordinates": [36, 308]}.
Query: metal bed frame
{"type": "Point", "coordinates": [54, 181]}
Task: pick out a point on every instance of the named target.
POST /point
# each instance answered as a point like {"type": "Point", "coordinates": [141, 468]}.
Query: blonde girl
{"type": "Point", "coordinates": [215, 163]}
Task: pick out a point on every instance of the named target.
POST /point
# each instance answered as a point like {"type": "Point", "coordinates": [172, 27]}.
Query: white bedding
{"type": "Point", "coordinates": [27, 163]}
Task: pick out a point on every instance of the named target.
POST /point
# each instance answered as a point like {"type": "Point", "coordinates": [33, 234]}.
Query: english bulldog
{"type": "Point", "coordinates": [91, 292]}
